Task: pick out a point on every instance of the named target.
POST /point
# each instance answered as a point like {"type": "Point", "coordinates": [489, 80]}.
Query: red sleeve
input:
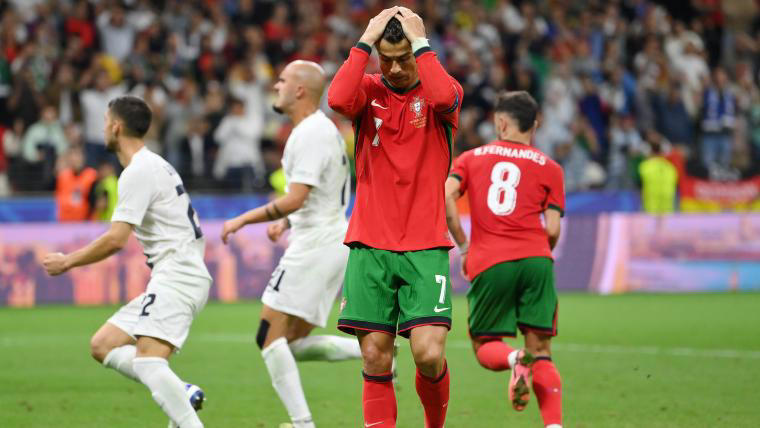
{"type": "Point", "coordinates": [459, 171]}
{"type": "Point", "coordinates": [439, 88]}
{"type": "Point", "coordinates": [555, 184]}
{"type": "Point", "coordinates": [346, 94]}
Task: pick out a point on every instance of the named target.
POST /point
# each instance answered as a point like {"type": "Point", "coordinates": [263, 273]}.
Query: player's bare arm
{"type": "Point", "coordinates": [552, 217]}
{"type": "Point", "coordinates": [453, 192]}
{"type": "Point", "coordinates": [106, 245]}
{"type": "Point", "coordinates": [275, 210]}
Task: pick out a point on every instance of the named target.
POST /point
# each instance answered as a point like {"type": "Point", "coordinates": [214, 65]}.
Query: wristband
{"type": "Point", "coordinates": [419, 43]}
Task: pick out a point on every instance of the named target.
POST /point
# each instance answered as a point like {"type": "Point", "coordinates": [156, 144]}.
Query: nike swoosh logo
{"type": "Point", "coordinates": [374, 103]}
{"type": "Point", "coordinates": [437, 309]}
{"type": "Point", "coordinates": [371, 425]}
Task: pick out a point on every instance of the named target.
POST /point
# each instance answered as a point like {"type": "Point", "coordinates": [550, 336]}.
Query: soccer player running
{"type": "Point", "coordinates": [397, 278]}
{"type": "Point", "coordinates": [139, 338]}
{"type": "Point", "coordinates": [510, 186]}
{"type": "Point", "coordinates": [304, 285]}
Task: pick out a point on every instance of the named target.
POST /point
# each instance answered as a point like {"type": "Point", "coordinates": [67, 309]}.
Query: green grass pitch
{"type": "Point", "coordinates": [626, 361]}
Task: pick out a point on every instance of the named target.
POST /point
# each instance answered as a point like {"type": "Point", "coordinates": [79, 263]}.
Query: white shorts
{"type": "Point", "coordinates": [307, 280]}
{"type": "Point", "coordinates": [163, 311]}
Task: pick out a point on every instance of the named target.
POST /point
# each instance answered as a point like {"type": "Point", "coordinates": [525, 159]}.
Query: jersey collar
{"type": "Point", "coordinates": [396, 90]}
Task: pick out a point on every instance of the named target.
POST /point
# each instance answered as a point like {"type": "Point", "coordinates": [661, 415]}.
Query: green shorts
{"type": "Point", "coordinates": [391, 291]}
{"type": "Point", "coordinates": [517, 293]}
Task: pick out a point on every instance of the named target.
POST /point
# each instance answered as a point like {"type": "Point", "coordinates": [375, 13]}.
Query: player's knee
{"type": "Point", "coordinates": [261, 335]}
{"type": "Point", "coordinates": [99, 348]}
{"type": "Point", "coordinates": [376, 360]}
{"type": "Point", "coordinates": [428, 357]}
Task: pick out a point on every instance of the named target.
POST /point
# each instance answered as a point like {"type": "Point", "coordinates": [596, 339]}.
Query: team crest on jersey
{"type": "Point", "coordinates": [417, 106]}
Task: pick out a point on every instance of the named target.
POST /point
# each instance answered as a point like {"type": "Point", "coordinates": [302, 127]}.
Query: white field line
{"type": "Point", "coordinates": [13, 341]}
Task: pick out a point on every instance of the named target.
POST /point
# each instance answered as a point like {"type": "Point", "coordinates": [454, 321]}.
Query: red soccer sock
{"type": "Point", "coordinates": [493, 355]}
{"type": "Point", "coordinates": [379, 401]}
{"type": "Point", "coordinates": [548, 388]}
{"type": "Point", "coordinates": [434, 395]}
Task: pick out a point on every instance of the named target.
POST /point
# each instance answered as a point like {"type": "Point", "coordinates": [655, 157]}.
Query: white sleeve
{"type": "Point", "coordinates": [309, 159]}
{"type": "Point", "coordinates": [135, 193]}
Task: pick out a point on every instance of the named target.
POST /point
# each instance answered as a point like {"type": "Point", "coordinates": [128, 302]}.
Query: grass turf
{"type": "Point", "coordinates": [626, 361]}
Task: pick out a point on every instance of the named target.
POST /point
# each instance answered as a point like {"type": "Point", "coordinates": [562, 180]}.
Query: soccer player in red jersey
{"type": "Point", "coordinates": [397, 278]}
{"type": "Point", "coordinates": [510, 186]}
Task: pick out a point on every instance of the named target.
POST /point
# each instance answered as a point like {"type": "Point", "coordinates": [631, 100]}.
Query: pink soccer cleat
{"type": "Point", "coordinates": [520, 380]}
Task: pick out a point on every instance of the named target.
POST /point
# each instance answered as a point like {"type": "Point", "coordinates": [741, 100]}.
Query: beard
{"type": "Point", "coordinates": [277, 109]}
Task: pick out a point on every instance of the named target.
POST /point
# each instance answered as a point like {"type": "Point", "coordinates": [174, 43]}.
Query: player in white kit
{"type": "Point", "coordinates": [139, 338]}
{"type": "Point", "coordinates": [304, 285]}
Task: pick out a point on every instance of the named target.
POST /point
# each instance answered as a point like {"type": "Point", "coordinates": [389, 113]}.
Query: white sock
{"type": "Point", "coordinates": [120, 359]}
{"type": "Point", "coordinates": [554, 426]}
{"type": "Point", "coordinates": [167, 389]}
{"type": "Point", "coordinates": [512, 358]}
{"type": "Point", "coordinates": [286, 381]}
{"type": "Point", "coordinates": [325, 348]}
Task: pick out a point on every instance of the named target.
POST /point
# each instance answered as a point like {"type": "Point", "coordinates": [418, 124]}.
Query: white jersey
{"type": "Point", "coordinates": [153, 199]}
{"type": "Point", "coordinates": [315, 155]}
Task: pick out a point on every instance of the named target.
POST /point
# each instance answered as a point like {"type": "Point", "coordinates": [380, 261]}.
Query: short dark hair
{"type": "Point", "coordinates": [134, 112]}
{"type": "Point", "coordinates": [393, 32]}
{"type": "Point", "coordinates": [520, 106]}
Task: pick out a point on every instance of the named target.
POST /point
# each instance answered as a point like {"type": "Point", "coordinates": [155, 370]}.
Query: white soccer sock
{"type": "Point", "coordinates": [120, 359]}
{"type": "Point", "coordinates": [286, 381]}
{"type": "Point", "coordinates": [325, 348]}
{"type": "Point", "coordinates": [554, 426]}
{"type": "Point", "coordinates": [168, 390]}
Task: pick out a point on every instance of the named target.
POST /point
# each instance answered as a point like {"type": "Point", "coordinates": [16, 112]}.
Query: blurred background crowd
{"type": "Point", "coordinates": [619, 82]}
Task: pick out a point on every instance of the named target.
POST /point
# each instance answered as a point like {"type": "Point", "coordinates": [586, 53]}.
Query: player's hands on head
{"type": "Point", "coordinates": [55, 263]}
{"type": "Point", "coordinates": [377, 25]}
{"type": "Point", "coordinates": [411, 23]}
{"type": "Point", "coordinates": [230, 227]}
{"type": "Point", "coordinates": [276, 229]}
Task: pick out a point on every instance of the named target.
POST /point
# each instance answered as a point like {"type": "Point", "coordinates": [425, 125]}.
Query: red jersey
{"type": "Point", "coordinates": [509, 185]}
{"type": "Point", "coordinates": [403, 151]}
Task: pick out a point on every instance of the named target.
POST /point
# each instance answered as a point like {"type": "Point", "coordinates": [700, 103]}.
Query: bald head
{"type": "Point", "coordinates": [310, 75]}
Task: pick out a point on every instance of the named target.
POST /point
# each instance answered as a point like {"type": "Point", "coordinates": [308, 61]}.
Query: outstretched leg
{"type": "Point", "coordinates": [272, 338]}
{"type": "Point", "coordinates": [152, 368]}
{"type": "Point", "coordinates": [547, 384]}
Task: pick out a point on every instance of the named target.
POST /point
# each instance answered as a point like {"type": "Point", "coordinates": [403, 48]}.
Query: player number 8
{"type": "Point", "coordinates": [502, 194]}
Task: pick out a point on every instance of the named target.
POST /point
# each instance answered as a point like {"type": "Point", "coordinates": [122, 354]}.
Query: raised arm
{"type": "Point", "coordinates": [442, 90]}
{"type": "Point", "coordinates": [346, 94]}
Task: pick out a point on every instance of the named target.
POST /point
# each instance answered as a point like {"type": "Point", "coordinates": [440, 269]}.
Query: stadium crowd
{"type": "Point", "coordinates": [615, 79]}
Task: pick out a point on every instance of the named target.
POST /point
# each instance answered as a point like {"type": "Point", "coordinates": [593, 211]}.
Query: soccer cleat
{"type": "Point", "coordinates": [196, 396]}
{"type": "Point", "coordinates": [520, 380]}
{"type": "Point", "coordinates": [394, 365]}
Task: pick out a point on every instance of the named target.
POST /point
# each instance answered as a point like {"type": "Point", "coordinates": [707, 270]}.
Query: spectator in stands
{"type": "Point", "coordinates": [625, 142]}
{"type": "Point", "coordinates": [105, 194]}
{"type": "Point", "coordinates": [5, 188]}
{"type": "Point", "coordinates": [718, 121]}
{"type": "Point", "coordinates": [94, 102]}
{"type": "Point", "coordinates": [43, 142]}
{"type": "Point", "coordinates": [659, 179]}
{"type": "Point", "coordinates": [73, 186]}
{"type": "Point", "coordinates": [673, 120]}
{"type": "Point", "coordinates": [117, 34]}
{"type": "Point", "coordinates": [238, 163]}
{"type": "Point", "coordinates": [197, 153]}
